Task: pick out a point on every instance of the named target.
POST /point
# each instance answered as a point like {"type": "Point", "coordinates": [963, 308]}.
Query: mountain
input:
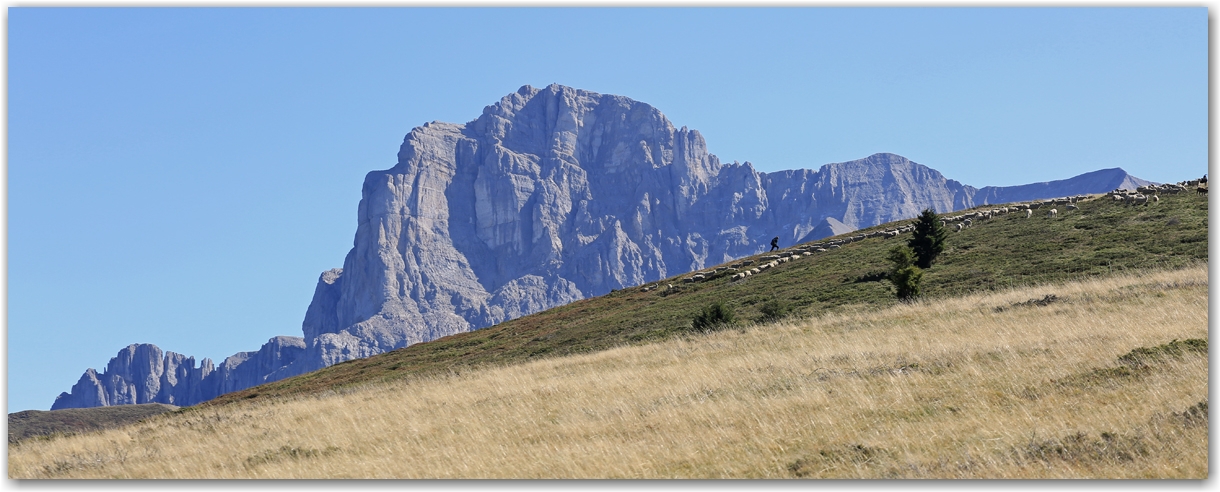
{"type": "Point", "coordinates": [550, 196]}
{"type": "Point", "coordinates": [829, 226]}
{"type": "Point", "coordinates": [1094, 182]}
{"type": "Point", "coordinates": [142, 373]}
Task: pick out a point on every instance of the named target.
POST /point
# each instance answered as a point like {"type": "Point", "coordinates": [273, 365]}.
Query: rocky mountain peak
{"type": "Point", "coordinates": [549, 196]}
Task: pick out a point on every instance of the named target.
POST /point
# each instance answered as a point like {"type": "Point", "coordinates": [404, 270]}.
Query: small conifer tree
{"type": "Point", "coordinates": [904, 275]}
{"type": "Point", "coordinates": [928, 239]}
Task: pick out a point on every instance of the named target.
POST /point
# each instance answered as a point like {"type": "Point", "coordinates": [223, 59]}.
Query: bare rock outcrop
{"type": "Point", "coordinates": [142, 373]}
{"type": "Point", "coordinates": [557, 194]}
{"type": "Point", "coordinates": [550, 196]}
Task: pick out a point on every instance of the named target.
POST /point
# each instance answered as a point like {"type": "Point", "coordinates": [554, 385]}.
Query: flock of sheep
{"type": "Point", "coordinates": [745, 268]}
{"type": "Point", "coordinates": [964, 221]}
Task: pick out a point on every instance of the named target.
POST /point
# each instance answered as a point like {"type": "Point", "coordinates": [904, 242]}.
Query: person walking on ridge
{"type": "Point", "coordinates": [775, 243]}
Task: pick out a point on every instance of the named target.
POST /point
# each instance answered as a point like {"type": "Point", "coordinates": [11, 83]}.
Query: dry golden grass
{"type": "Point", "coordinates": [969, 387]}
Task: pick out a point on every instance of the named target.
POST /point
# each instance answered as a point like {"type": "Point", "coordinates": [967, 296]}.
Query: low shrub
{"type": "Point", "coordinates": [905, 275]}
{"type": "Point", "coordinates": [716, 316]}
{"type": "Point", "coordinates": [773, 310]}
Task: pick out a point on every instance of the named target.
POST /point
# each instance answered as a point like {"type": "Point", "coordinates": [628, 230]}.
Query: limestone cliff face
{"type": "Point", "coordinates": [557, 194]}
{"type": "Point", "coordinates": [550, 196]}
{"type": "Point", "coordinates": [142, 373]}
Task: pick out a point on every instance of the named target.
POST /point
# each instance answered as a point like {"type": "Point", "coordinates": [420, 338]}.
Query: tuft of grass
{"type": "Point", "coordinates": [1137, 363]}
{"type": "Point", "coordinates": [1044, 301]}
{"type": "Point", "coordinates": [1196, 415]}
{"type": "Point", "coordinates": [834, 458]}
{"type": "Point", "coordinates": [287, 452]}
{"type": "Point", "coordinates": [1080, 449]}
{"type": "Point", "coordinates": [1143, 356]}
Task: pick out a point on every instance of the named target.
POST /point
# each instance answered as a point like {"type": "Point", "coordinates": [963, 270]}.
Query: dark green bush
{"type": "Point", "coordinates": [716, 316]}
{"type": "Point", "coordinates": [773, 310]}
{"type": "Point", "coordinates": [905, 275]}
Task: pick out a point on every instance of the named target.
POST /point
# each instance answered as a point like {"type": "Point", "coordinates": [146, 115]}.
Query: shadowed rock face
{"type": "Point", "coordinates": [142, 373]}
{"type": "Point", "coordinates": [550, 196]}
{"type": "Point", "coordinates": [558, 194]}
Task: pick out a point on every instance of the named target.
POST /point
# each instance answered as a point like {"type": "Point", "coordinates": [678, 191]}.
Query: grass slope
{"type": "Point", "coordinates": [1099, 239]}
{"type": "Point", "coordinates": [33, 423]}
{"type": "Point", "coordinates": [1105, 377]}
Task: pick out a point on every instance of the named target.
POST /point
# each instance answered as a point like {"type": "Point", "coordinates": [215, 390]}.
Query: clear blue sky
{"type": "Point", "coordinates": [182, 176]}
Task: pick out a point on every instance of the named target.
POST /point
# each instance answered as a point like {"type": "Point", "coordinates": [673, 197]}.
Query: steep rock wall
{"type": "Point", "coordinates": [550, 196]}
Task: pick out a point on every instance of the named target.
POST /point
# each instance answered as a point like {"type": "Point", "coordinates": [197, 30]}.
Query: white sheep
{"type": "Point", "coordinates": [1029, 213]}
{"type": "Point", "coordinates": [957, 227]}
{"type": "Point", "coordinates": [1051, 213]}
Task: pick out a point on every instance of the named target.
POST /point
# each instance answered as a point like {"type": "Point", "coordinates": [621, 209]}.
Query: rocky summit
{"type": "Point", "coordinates": [142, 373]}
{"type": "Point", "coordinates": [550, 196]}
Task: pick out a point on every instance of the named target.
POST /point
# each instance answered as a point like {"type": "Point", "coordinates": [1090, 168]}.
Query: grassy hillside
{"type": "Point", "coordinates": [1104, 377]}
{"type": "Point", "coordinates": [31, 423]}
{"type": "Point", "coordinates": [1099, 239]}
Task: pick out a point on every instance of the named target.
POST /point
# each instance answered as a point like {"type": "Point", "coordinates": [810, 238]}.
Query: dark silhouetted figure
{"type": "Point", "coordinates": [1204, 180]}
{"type": "Point", "coordinates": [774, 243]}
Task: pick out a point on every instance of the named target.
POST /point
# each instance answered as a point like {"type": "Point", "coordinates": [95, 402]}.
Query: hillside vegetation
{"type": "Point", "coordinates": [31, 423]}
{"type": "Point", "coordinates": [1065, 347]}
{"type": "Point", "coordinates": [1007, 251]}
{"type": "Point", "coordinates": [1106, 378]}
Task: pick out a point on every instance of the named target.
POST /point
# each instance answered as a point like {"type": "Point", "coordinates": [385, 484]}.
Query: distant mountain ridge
{"type": "Point", "coordinates": [550, 196]}
{"type": "Point", "coordinates": [1102, 181]}
{"type": "Point", "coordinates": [142, 373]}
